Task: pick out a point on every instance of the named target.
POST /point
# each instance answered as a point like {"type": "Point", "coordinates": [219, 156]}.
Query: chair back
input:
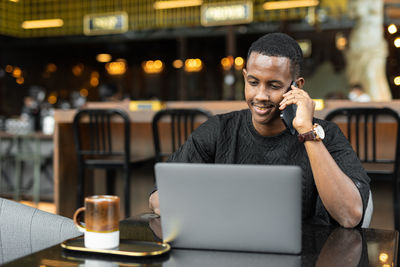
{"type": "Point", "coordinates": [363, 133]}
{"type": "Point", "coordinates": [181, 124]}
{"type": "Point", "coordinates": [96, 126]}
{"type": "Point", "coordinates": [97, 135]}
{"type": "Point", "coordinates": [368, 130]}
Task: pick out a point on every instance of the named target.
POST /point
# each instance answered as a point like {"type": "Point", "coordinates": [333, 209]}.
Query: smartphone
{"type": "Point", "coordinates": [288, 114]}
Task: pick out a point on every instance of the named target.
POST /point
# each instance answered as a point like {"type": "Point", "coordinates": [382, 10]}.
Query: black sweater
{"type": "Point", "coordinates": [231, 138]}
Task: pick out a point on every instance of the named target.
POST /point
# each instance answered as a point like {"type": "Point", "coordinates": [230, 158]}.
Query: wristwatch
{"type": "Point", "coordinates": [317, 133]}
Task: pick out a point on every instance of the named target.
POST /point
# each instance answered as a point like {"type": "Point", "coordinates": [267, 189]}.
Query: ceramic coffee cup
{"type": "Point", "coordinates": [101, 229]}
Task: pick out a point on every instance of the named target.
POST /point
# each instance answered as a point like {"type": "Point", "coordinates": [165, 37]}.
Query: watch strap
{"type": "Point", "coordinates": [308, 136]}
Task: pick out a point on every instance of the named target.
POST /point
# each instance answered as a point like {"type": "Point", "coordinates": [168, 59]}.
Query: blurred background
{"type": "Point", "coordinates": [62, 53]}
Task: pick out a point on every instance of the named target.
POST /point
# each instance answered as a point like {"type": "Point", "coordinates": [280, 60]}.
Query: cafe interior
{"type": "Point", "coordinates": [94, 93]}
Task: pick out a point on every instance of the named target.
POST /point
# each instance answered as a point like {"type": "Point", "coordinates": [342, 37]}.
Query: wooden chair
{"type": "Point", "coordinates": [367, 139]}
{"type": "Point", "coordinates": [96, 148]}
{"type": "Point", "coordinates": [181, 123]}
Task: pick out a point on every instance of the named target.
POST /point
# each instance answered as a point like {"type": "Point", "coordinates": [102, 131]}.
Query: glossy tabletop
{"type": "Point", "coordinates": [322, 246]}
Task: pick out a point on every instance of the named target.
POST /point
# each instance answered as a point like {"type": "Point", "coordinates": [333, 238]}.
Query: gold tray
{"type": "Point", "coordinates": [126, 247]}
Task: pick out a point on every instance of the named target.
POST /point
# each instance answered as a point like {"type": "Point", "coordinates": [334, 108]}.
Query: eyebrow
{"type": "Point", "coordinates": [276, 81]}
{"type": "Point", "coordinates": [252, 77]}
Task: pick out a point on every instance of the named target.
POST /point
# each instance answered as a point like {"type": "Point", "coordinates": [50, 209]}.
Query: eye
{"type": "Point", "coordinates": [276, 86]}
{"type": "Point", "coordinates": [253, 83]}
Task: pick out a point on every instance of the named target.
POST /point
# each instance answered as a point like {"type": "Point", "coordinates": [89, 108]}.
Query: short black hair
{"type": "Point", "coordinates": [279, 45]}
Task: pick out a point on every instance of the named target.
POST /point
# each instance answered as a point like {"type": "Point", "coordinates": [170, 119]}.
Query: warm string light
{"type": "Point", "coordinates": [177, 64]}
{"type": "Point", "coordinates": [392, 29]}
{"type": "Point", "coordinates": [193, 65]}
{"type": "Point", "coordinates": [117, 67]}
{"type": "Point", "coordinates": [396, 80]}
{"type": "Point", "coordinates": [51, 67]}
{"type": "Point", "coordinates": [228, 62]}
{"type": "Point", "coordinates": [153, 66]}
{"type": "Point", "coordinates": [20, 80]}
{"type": "Point", "coordinates": [383, 257]}
{"type": "Point", "coordinates": [17, 72]}
{"type": "Point", "coordinates": [397, 42]}
{"type": "Point", "coordinates": [239, 63]}
{"type": "Point", "coordinates": [9, 68]}
{"type": "Point", "coordinates": [77, 70]}
{"type": "Point", "coordinates": [103, 58]}
{"type": "Point", "coordinates": [52, 99]}
{"type": "Point", "coordinates": [84, 92]}
{"type": "Point", "coordinates": [94, 79]}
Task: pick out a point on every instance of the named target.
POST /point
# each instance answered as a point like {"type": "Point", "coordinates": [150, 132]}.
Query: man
{"type": "Point", "coordinates": [357, 93]}
{"type": "Point", "coordinates": [335, 185]}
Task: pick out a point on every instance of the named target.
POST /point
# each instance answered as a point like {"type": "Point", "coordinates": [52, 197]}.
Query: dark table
{"type": "Point", "coordinates": [322, 246]}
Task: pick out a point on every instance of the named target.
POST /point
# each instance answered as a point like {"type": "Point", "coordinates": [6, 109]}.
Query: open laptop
{"type": "Point", "coordinates": [230, 207]}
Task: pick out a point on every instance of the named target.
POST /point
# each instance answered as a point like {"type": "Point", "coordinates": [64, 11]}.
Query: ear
{"type": "Point", "coordinates": [244, 72]}
{"type": "Point", "coordinates": [300, 82]}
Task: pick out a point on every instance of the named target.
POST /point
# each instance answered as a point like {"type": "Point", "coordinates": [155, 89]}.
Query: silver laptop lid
{"type": "Point", "coordinates": [230, 207]}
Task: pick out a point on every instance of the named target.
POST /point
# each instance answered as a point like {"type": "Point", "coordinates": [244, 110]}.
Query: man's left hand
{"type": "Point", "coordinates": [305, 108]}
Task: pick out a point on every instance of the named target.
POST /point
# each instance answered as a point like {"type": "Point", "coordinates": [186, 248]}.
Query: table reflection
{"type": "Point", "coordinates": [322, 246]}
{"type": "Point", "coordinates": [344, 247]}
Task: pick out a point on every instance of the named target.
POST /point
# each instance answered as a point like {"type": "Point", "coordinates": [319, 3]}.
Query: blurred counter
{"type": "Point", "coordinates": [65, 168]}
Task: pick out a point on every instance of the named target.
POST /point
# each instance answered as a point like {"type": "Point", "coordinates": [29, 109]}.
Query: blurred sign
{"type": "Point", "coordinates": [319, 104]}
{"type": "Point", "coordinates": [154, 105]}
{"type": "Point", "coordinates": [227, 13]}
{"type": "Point", "coordinates": [105, 23]}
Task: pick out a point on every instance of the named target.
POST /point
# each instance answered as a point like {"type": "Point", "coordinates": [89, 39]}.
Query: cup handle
{"type": "Point", "coordinates": [75, 218]}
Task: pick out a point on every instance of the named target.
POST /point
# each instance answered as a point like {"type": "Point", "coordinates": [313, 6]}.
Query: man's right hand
{"type": "Point", "coordinates": [154, 205]}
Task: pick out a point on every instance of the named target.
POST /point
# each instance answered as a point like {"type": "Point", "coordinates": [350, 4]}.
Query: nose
{"type": "Point", "coordinates": [262, 94]}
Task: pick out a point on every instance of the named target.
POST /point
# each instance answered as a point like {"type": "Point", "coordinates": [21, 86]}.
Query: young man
{"type": "Point", "coordinates": [335, 185]}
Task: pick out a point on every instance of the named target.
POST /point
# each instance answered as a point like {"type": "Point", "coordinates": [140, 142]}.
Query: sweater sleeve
{"type": "Point", "coordinates": [347, 160]}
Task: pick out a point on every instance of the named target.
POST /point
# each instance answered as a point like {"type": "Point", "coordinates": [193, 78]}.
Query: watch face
{"type": "Point", "coordinates": [320, 131]}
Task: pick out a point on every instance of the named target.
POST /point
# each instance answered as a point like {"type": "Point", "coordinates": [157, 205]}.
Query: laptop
{"type": "Point", "coordinates": [255, 208]}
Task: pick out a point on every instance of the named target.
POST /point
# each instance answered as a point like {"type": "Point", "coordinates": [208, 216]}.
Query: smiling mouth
{"type": "Point", "coordinates": [264, 107]}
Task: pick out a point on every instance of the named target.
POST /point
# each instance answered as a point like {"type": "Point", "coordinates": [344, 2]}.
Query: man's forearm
{"type": "Point", "coordinates": [338, 193]}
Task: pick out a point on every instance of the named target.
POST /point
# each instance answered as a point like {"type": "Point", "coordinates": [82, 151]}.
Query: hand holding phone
{"type": "Point", "coordinates": [289, 113]}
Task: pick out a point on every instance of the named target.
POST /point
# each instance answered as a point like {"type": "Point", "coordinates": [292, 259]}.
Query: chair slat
{"type": "Point", "coordinates": [371, 115]}
{"type": "Point", "coordinates": [100, 153]}
{"type": "Point", "coordinates": [181, 126]}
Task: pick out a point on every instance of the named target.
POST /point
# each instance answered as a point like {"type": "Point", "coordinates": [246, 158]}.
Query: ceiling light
{"type": "Point", "coordinates": [42, 23]}
{"type": "Point", "coordinates": [289, 4]}
{"type": "Point", "coordinates": [177, 4]}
